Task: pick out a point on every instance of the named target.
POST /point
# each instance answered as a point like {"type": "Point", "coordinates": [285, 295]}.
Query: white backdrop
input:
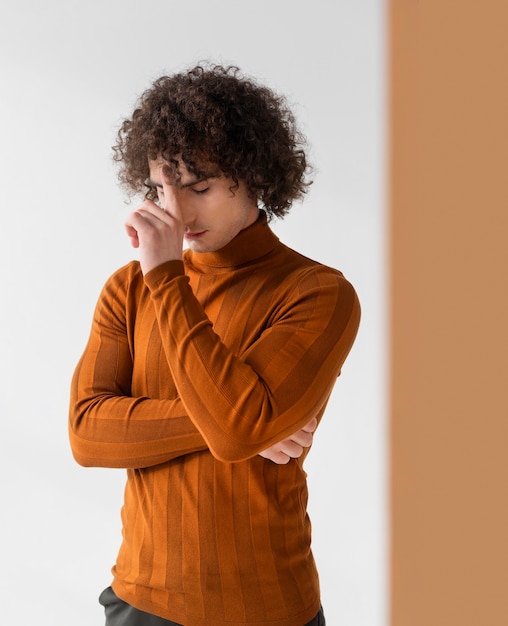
{"type": "Point", "coordinates": [70, 71]}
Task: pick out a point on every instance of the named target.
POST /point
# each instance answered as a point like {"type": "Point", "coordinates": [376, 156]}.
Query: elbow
{"type": "Point", "coordinates": [75, 439]}
{"type": "Point", "coordinates": [82, 460]}
{"type": "Point", "coordinates": [234, 450]}
{"type": "Point", "coordinates": [230, 456]}
{"type": "Point", "coordinates": [232, 453]}
{"type": "Point", "coordinates": [85, 450]}
{"type": "Point", "coordinates": [77, 445]}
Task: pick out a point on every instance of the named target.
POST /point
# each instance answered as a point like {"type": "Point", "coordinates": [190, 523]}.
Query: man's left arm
{"type": "Point", "coordinates": [244, 404]}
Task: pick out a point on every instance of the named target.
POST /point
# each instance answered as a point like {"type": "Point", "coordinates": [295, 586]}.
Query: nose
{"type": "Point", "coordinates": [174, 204]}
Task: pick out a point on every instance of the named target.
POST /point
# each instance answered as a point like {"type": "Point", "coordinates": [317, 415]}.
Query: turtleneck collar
{"type": "Point", "coordinates": [250, 244]}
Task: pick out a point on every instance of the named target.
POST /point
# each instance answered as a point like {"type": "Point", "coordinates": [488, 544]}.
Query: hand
{"type": "Point", "coordinates": [292, 447]}
{"type": "Point", "coordinates": [157, 234]}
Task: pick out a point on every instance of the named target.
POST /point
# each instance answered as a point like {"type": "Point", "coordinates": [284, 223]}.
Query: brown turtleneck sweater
{"type": "Point", "coordinates": [189, 373]}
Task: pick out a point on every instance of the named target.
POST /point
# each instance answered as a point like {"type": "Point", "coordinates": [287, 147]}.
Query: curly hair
{"type": "Point", "coordinates": [213, 118]}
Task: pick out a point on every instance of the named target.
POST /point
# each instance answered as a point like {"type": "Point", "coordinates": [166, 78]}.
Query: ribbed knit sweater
{"type": "Point", "coordinates": [189, 372]}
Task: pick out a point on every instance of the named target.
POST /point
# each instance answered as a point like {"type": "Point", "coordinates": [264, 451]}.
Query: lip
{"type": "Point", "coordinates": [195, 235]}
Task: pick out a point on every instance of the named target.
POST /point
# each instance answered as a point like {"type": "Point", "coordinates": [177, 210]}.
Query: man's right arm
{"type": "Point", "coordinates": [110, 428]}
{"type": "Point", "coordinates": [107, 426]}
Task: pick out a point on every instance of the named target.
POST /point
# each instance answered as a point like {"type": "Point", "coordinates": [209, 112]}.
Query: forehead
{"type": "Point", "coordinates": [173, 172]}
{"type": "Point", "coordinates": [177, 172]}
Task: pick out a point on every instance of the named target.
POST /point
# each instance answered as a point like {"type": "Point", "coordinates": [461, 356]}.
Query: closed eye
{"type": "Point", "coordinates": [198, 186]}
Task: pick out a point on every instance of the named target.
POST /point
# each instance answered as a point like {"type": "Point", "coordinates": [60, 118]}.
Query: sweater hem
{"type": "Point", "coordinates": [174, 615]}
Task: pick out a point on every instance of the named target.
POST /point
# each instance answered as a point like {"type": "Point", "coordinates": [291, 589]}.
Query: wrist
{"type": "Point", "coordinates": [163, 271]}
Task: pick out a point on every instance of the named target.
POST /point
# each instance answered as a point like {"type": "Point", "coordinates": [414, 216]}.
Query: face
{"type": "Point", "coordinates": [213, 209]}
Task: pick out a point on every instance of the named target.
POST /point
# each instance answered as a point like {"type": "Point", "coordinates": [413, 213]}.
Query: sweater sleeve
{"type": "Point", "coordinates": [108, 427]}
{"type": "Point", "coordinates": [242, 404]}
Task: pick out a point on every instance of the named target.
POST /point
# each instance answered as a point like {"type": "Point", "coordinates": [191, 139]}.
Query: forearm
{"type": "Point", "coordinates": [116, 431]}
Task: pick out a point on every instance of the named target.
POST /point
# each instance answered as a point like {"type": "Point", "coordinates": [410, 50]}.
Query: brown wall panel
{"type": "Point", "coordinates": [449, 312]}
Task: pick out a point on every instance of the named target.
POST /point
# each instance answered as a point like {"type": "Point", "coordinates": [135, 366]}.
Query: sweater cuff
{"type": "Point", "coordinates": [163, 272]}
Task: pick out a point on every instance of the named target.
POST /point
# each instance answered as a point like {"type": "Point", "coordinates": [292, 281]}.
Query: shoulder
{"type": "Point", "coordinates": [125, 276]}
{"type": "Point", "coordinates": [121, 296]}
{"type": "Point", "coordinates": [306, 273]}
{"type": "Point", "coordinates": [320, 292]}
{"type": "Point", "coordinates": [124, 284]}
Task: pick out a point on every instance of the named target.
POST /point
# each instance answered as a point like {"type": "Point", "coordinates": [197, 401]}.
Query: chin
{"type": "Point", "coordinates": [208, 244]}
{"type": "Point", "coordinates": [201, 246]}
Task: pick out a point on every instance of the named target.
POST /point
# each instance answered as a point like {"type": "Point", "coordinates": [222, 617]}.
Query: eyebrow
{"type": "Point", "coordinates": [152, 183]}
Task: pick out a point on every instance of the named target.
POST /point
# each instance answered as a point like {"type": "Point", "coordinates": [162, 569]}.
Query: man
{"type": "Point", "coordinates": [207, 370]}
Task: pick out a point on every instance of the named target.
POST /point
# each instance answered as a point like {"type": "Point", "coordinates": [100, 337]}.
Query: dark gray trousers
{"type": "Point", "coordinates": [119, 613]}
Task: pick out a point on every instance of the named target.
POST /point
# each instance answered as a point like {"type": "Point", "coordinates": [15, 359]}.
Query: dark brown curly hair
{"type": "Point", "coordinates": [213, 118]}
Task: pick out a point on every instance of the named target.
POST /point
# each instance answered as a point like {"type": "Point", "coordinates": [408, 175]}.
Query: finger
{"type": "Point", "coordinates": [132, 233]}
{"type": "Point", "coordinates": [291, 448]}
{"type": "Point", "coordinates": [145, 220]}
{"type": "Point", "coordinates": [144, 217]}
{"type": "Point", "coordinates": [171, 208]}
{"type": "Point", "coordinates": [302, 438]}
{"type": "Point", "coordinates": [151, 212]}
{"type": "Point", "coordinates": [311, 426]}
{"type": "Point", "coordinates": [277, 457]}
